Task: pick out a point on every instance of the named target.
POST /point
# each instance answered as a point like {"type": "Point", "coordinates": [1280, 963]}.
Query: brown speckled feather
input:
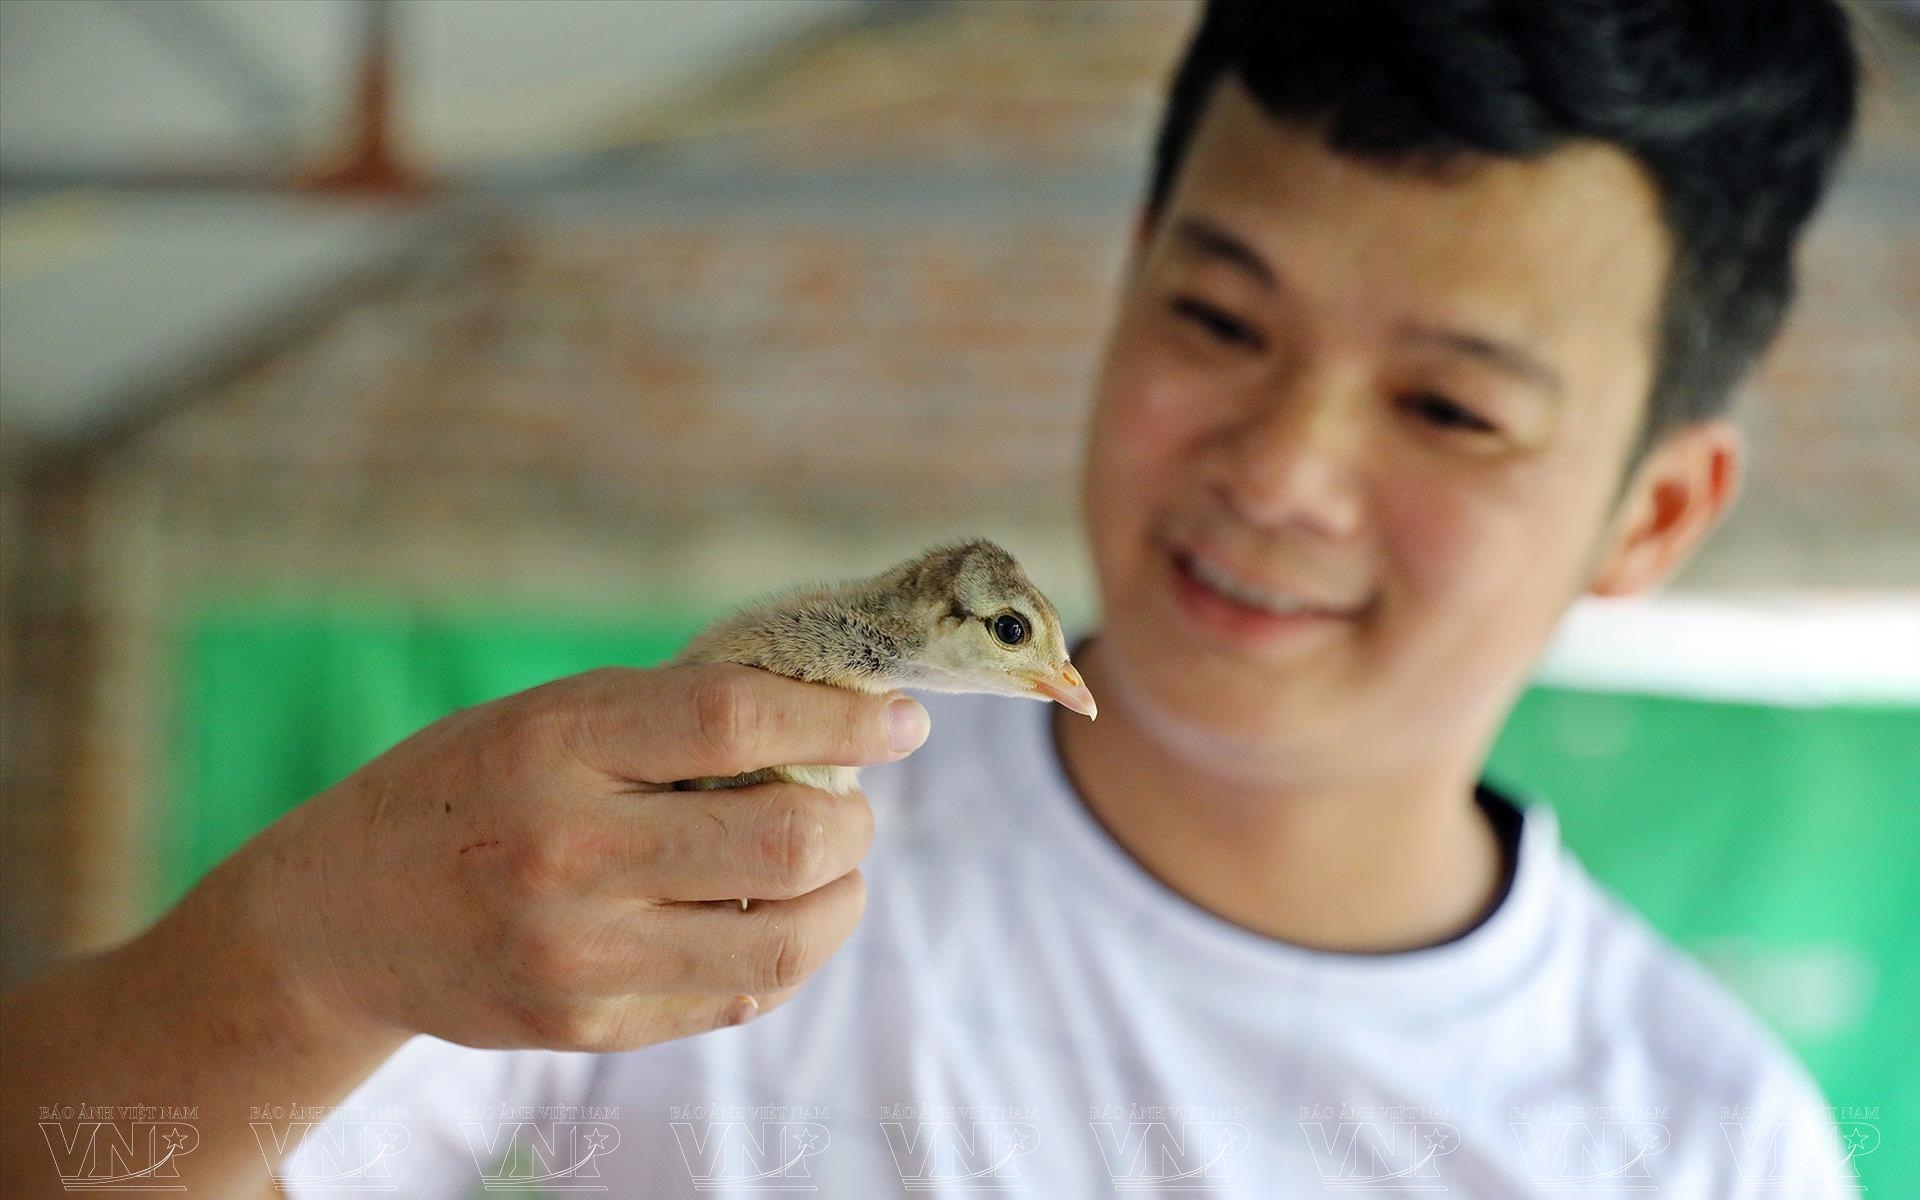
{"type": "Point", "coordinates": [944, 621]}
{"type": "Point", "coordinates": [870, 635]}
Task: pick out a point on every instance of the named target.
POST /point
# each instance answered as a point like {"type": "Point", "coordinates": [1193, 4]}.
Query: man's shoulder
{"type": "Point", "coordinates": [1656, 1012]}
{"type": "Point", "coordinates": [1659, 1044]}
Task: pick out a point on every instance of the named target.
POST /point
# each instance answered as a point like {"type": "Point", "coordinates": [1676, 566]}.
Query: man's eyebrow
{"type": "Point", "coordinates": [1502, 356]}
{"type": "Point", "coordinates": [1210, 239]}
{"type": "Point", "coordinates": [1206, 238]}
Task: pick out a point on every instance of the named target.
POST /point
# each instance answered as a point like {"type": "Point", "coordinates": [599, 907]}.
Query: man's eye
{"type": "Point", "coordinates": [1219, 325]}
{"type": "Point", "coordinates": [1440, 411]}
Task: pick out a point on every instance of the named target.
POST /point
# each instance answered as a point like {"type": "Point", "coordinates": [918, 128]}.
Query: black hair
{"type": "Point", "coordinates": [1738, 109]}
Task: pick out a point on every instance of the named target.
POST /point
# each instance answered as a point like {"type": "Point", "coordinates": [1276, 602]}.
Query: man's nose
{"type": "Point", "coordinates": [1294, 457]}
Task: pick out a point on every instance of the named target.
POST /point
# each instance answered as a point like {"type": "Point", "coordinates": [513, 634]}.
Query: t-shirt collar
{"type": "Point", "coordinates": [1502, 946]}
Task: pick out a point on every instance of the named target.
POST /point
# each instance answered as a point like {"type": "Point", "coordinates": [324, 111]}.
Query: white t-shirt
{"type": "Point", "coordinates": [1024, 1008]}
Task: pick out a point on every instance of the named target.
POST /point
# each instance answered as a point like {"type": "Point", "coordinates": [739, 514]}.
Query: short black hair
{"type": "Point", "coordinates": [1739, 109]}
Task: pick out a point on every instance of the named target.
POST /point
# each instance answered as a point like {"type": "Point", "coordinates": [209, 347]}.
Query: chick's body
{"type": "Point", "coordinates": [820, 636]}
{"type": "Point", "coordinates": [959, 618]}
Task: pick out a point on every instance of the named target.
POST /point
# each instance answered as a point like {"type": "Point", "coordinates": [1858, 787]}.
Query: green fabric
{"type": "Point", "coordinates": [278, 702]}
{"type": "Point", "coordinates": [1776, 844]}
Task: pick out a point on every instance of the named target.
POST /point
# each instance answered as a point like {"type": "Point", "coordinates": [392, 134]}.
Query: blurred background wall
{"type": "Point", "coordinates": [359, 361]}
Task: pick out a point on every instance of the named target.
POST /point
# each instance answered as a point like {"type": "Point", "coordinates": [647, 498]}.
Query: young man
{"type": "Point", "coordinates": [1432, 313]}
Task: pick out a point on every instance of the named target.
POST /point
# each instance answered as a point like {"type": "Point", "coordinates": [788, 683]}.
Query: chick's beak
{"type": "Point", "coordinates": [1066, 687]}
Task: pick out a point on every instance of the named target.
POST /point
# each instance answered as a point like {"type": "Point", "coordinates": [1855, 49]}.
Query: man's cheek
{"type": "Point", "coordinates": [1167, 451]}
{"type": "Point", "coordinates": [1137, 449]}
{"type": "Point", "coordinates": [1473, 586]}
{"type": "Point", "coordinates": [1426, 531]}
{"type": "Point", "coordinates": [1448, 564]}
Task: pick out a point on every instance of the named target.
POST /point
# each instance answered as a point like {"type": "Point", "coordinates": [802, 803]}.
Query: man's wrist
{"type": "Point", "coordinates": [211, 1009]}
{"type": "Point", "coordinates": [265, 909]}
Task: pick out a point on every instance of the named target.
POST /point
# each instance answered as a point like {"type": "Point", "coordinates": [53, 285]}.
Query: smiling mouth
{"type": "Point", "coordinates": [1221, 582]}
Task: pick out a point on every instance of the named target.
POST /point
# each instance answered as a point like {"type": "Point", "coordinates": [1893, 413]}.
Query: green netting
{"type": "Point", "coordinates": [1777, 844]}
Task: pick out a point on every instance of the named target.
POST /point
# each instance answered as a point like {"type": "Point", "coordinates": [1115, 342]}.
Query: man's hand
{"type": "Point", "coordinates": [523, 874]}
{"type": "Point", "coordinates": [517, 874]}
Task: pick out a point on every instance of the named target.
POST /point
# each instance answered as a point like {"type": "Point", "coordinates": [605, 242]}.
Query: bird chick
{"type": "Point", "coordinates": [960, 618]}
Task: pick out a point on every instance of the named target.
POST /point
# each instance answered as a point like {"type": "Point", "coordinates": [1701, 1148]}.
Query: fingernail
{"type": "Point", "coordinates": [742, 1010]}
{"type": "Point", "coordinates": [907, 724]}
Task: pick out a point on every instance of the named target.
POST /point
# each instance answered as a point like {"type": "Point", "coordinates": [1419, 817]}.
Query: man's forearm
{"type": "Point", "coordinates": [199, 1019]}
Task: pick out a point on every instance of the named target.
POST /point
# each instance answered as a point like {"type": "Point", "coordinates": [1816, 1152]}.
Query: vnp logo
{"type": "Point", "coordinates": [1591, 1156]}
{"type": "Point", "coordinates": [1397, 1156]}
{"type": "Point", "coordinates": [1188, 1156]}
{"type": "Point", "coordinates": [322, 1156]}
{"type": "Point", "coordinates": [120, 1156]}
{"type": "Point", "coordinates": [770, 1155]}
{"type": "Point", "coordinates": [979, 1156]}
{"type": "Point", "coordinates": [1794, 1156]}
{"type": "Point", "coordinates": [540, 1156]}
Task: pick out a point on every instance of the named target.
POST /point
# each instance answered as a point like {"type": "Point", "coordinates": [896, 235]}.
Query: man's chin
{"type": "Point", "coordinates": [1203, 707]}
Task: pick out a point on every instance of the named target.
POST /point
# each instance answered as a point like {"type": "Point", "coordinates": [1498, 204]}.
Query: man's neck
{"type": "Point", "coordinates": [1383, 865]}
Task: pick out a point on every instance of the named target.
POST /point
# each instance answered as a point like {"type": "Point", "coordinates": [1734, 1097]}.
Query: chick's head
{"type": "Point", "coordinates": [989, 629]}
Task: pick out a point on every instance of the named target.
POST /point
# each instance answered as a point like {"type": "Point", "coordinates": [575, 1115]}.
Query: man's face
{"type": "Point", "coordinates": [1357, 434]}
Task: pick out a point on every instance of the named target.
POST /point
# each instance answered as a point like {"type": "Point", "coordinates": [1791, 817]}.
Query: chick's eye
{"type": "Point", "coordinates": [1009, 629]}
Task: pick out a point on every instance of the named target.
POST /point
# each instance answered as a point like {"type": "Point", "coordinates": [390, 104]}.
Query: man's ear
{"type": "Point", "coordinates": [1681, 490]}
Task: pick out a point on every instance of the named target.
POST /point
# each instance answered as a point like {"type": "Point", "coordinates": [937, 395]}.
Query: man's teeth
{"type": "Point", "coordinates": [1245, 593]}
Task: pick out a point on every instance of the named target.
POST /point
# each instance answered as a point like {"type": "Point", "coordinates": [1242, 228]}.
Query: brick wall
{"type": "Point", "coordinates": [828, 311]}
